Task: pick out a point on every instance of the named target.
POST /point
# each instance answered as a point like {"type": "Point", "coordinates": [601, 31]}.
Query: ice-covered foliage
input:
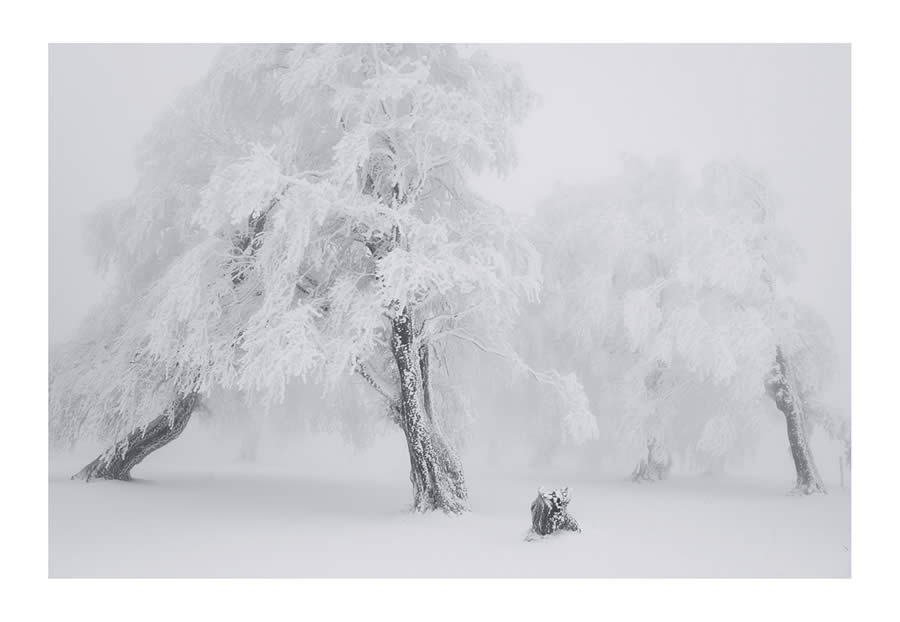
{"type": "Point", "coordinates": [670, 293]}
{"type": "Point", "coordinates": [288, 207]}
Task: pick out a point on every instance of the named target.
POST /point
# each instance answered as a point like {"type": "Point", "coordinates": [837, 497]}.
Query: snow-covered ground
{"type": "Point", "coordinates": [330, 512]}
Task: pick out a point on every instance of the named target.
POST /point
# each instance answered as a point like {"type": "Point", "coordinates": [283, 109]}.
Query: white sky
{"type": "Point", "coordinates": [783, 108]}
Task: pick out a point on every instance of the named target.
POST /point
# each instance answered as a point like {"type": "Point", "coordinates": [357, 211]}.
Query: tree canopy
{"type": "Point", "coordinates": [670, 294]}
{"type": "Point", "coordinates": [287, 207]}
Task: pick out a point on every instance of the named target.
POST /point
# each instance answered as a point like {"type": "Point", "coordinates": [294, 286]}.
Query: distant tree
{"type": "Point", "coordinates": [672, 297]}
{"type": "Point", "coordinates": [327, 230]}
{"type": "Point", "coordinates": [798, 382]}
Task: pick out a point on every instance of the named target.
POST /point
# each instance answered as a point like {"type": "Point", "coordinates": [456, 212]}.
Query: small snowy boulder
{"type": "Point", "coordinates": [549, 513]}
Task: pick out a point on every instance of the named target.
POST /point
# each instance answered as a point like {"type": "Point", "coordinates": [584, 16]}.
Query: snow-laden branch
{"type": "Point", "coordinates": [579, 423]}
{"type": "Point", "coordinates": [260, 257]}
{"type": "Point", "coordinates": [430, 325]}
{"type": "Point", "coordinates": [369, 377]}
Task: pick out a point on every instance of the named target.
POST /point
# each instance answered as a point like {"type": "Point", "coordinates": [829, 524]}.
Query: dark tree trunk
{"type": "Point", "coordinates": [783, 391]}
{"type": "Point", "coordinates": [434, 470]}
{"type": "Point", "coordinates": [447, 457]}
{"type": "Point", "coordinates": [119, 460]}
{"type": "Point", "coordinates": [435, 476]}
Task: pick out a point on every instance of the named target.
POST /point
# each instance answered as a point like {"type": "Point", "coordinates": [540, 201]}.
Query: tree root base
{"type": "Point", "coordinates": [804, 490]}
{"type": "Point", "coordinates": [116, 463]}
{"type": "Point", "coordinates": [96, 470]}
{"type": "Point", "coordinates": [650, 472]}
{"type": "Point", "coordinates": [453, 507]}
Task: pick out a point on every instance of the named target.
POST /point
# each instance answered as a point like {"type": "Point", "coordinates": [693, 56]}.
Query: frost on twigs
{"type": "Point", "coordinates": [550, 514]}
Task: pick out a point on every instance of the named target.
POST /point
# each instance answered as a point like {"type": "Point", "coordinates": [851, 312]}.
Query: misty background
{"type": "Point", "coordinates": [782, 108]}
{"type": "Point", "coordinates": [319, 484]}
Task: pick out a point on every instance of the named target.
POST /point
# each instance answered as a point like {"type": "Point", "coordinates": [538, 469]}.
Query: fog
{"type": "Point", "coordinates": [782, 108]}
{"type": "Point", "coordinates": [103, 100]}
{"type": "Point", "coordinates": [665, 375]}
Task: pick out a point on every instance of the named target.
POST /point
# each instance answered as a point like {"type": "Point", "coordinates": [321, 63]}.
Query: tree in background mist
{"type": "Point", "coordinates": [304, 214]}
{"type": "Point", "coordinates": [671, 297]}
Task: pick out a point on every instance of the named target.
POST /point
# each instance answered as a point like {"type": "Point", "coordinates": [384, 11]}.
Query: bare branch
{"type": "Point", "coordinates": [372, 382]}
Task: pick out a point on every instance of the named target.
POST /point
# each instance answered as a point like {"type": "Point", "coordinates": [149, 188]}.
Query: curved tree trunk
{"type": "Point", "coordinates": [117, 462]}
{"type": "Point", "coordinates": [435, 473]}
{"type": "Point", "coordinates": [787, 399]}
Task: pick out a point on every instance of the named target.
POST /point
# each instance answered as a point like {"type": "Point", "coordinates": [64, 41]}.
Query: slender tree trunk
{"type": "Point", "coordinates": [425, 368]}
{"type": "Point", "coordinates": [783, 391]}
{"type": "Point", "coordinates": [431, 473]}
{"type": "Point", "coordinates": [655, 467]}
{"type": "Point", "coordinates": [117, 462]}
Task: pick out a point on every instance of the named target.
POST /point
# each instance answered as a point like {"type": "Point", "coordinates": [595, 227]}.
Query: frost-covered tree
{"type": "Point", "coordinates": [108, 383]}
{"type": "Point", "coordinates": [672, 295]}
{"type": "Point", "coordinates": [325, 228]}
{"type": "Point", "coordinates": [798, 380]}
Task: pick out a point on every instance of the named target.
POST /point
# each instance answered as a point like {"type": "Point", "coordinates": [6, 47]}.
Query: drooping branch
{"type": "Point", "coordinates": [429, 330]}
{"type": "Point", "coordinates": [578, 421]}
{"type": "Point", "coordinates": [543, 377]}
{"type": "Point", "coordinates": [393, 402]}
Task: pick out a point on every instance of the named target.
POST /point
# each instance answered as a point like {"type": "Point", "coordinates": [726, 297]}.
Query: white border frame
{"type": "Point", "coordinates": [876, 107]}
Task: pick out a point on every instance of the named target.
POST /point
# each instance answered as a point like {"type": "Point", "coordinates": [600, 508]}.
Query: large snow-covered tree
{"type": "Point", "coordinates": [305, 213]}
{"type": "Point", "coordinates": [672, 295]}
